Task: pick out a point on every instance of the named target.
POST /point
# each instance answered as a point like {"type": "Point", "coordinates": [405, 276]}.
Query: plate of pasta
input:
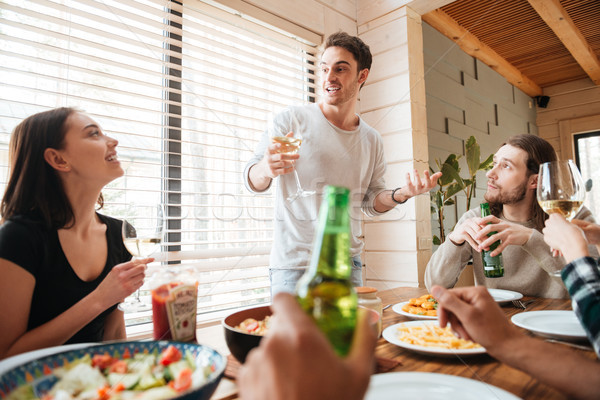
{"type": "Point", "coordinates": [424, 307]}
{"type": "Point", "coordinates": [426, 337]}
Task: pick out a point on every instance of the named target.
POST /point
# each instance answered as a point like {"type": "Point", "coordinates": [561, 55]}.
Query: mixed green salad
{"type": "Point", "coordinates": [142, 376]}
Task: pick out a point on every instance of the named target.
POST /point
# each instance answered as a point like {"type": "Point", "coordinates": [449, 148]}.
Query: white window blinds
{"type": "Point", "coordinates": [186, 89]}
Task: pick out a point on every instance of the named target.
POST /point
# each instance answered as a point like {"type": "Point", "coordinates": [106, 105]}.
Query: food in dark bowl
{"type": "Point", "coordinates": [239, 342]}
{"type": "Point", "coordinates": [154, 370]}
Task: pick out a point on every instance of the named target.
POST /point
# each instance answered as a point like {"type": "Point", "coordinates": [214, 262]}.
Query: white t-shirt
{"type": "Point", "coordinates": [328, 156]}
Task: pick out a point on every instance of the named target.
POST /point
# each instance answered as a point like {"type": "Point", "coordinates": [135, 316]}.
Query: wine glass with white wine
{"type": "Point", "coordinates": [280, 125]}
{"type": "Point", "coordinates": [142, 232]}
{"type": "Point", "coordinates": [560, 189]}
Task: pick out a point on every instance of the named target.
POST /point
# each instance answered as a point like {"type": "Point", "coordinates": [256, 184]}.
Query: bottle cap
{"type": "Point", "coordinates": [365, 289]}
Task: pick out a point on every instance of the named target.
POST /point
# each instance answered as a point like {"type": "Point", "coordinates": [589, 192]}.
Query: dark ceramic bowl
{"type": "Point", "coordinates": [38, 372]}
{"type": "Point", "coordinates": [241, 343]}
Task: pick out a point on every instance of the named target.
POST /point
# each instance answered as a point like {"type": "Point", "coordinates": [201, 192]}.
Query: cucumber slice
{"type": "Point", "coordinates": [128, 380]}
{"type": "Point", "coordinates": [148, 381]}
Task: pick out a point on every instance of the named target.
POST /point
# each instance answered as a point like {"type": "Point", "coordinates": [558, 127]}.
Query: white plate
{"type": "Point", "coordinates": [556, 324]}
{"type": "Point", "coordinates": [504, 296]}
{"type": "Point", "coordinates": [431, 386]}
{"type": "Point", "coordinates": [391, 335]}
{"type": "Point", "coordinates": [398, 309]}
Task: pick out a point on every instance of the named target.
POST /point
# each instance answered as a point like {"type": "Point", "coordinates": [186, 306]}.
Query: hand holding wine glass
{"type": "Point", "coordinates": [284, 130]}
{"type": "Point", "coordinates": [142, 233]}
{"type": "Point", "coordinates": [560, 190]}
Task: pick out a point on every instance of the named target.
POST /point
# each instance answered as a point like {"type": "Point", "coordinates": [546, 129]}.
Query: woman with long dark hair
{"type": "Point", "coordinates": [64, 267]}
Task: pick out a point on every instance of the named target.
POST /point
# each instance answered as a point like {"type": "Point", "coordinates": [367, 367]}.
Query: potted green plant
{"type": "Point", "coordinates": [452, 183]}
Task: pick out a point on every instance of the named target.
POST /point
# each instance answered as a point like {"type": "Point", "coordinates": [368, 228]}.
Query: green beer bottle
{"type": "Point", "coordinates": [492, 266]}
{"type": "Point", "coordinates": [325, 291]}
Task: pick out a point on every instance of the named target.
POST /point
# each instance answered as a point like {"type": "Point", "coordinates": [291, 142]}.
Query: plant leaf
{"type": "Point", "coordinates": [450, 172]}
{"type": "Point", "coordinates": [449, 202]}
{"type": "Point", "coordinates": [473, 155]}
{"type": "Point", "coordinates": [487, 163]}
{"type": "Point", "coordinates": [436, 240]}
{"type": "Point", "coordinates": [453, 189]}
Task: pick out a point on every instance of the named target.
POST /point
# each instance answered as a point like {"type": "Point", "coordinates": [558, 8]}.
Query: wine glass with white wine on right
{"type": "Point", "coordinates": [560, 189]}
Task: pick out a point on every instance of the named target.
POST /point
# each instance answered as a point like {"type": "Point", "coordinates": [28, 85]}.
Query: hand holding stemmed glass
{"type": "Point", "coordinates": [560, 190]}
{"type": "Point", "coordinates": [142, 233]}
{"type": "Point", "coordinates": [284, 130]}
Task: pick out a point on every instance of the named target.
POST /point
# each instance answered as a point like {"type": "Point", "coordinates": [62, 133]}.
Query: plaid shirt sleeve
{"type": "Point", "coordinates": [582, 279]}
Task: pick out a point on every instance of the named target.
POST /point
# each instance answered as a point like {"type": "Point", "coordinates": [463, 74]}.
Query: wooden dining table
{"type": "Point", "coordinates": [481, 367]}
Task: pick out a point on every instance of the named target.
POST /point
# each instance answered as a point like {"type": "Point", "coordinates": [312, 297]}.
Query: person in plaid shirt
{"type": "Point", "coordinates": [581, 275]}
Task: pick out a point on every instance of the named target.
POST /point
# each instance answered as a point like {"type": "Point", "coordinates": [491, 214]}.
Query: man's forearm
{"type": "Point", "coordinates": [258, 178]}
{"type": "Point", "coordinates": [384, 202]}
{"type": "Point", "coordinates": [555, 365]}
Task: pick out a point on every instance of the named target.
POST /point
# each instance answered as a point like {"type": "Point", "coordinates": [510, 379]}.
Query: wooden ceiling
{"type": "Point", "coordinates": [533, 43]}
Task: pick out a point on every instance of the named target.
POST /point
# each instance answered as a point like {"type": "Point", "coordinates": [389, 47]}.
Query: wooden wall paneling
{"type": "Point", "coordinates": [389, 63]}
{"type": "Point", "coordinates": [289, 15]}
{"type": "Point", "coordinates": [566, 140]}
{"type": "Point", "coordinates": [369, 10]}
{"type": "Point", "coordinates": [402, 212]}
{"type": "Point", "coordinates": [398, 146]}
{"type": "Point", "coordinates": [396, 172]}
{"type": "Point", "coordinates": [347, 8]}
{"type": "Point", "coordinates": [371, 13]}
{"type": "Point", "coordinates": [306, 13]}
{"type": "Point", "coordinates": [335, 21]}
{"type": "Point", "coordinates": [386, 36]}
{"type": "Point", "coordinates": [392, 266]}
{"type": "Point", "coordinates": [421, 148]}
{"type": "Point", "coordinates": [577, 110]}
{"type": "Point", "coordinates": [568, 128]}
{"type": "Point", "coordinates": [572, 99]}
{"type": "Point", "coordinates": [394, 118]}
{"type": "Point", "coordinates": [386, 93]}
{"type": "Point", "coordinates": [391, 236]}
{"type": "Point", "coordinates": [563, 88]}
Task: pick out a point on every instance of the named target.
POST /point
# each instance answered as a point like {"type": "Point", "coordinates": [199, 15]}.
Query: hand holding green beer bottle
{"type": "Point", "coordinates": [325, 291]}
{"type": "Point", "coordinates": [492, 266]}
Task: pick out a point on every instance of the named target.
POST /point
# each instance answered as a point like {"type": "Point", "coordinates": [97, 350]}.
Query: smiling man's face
{"type": "Point", "coordinates": [340, 78]}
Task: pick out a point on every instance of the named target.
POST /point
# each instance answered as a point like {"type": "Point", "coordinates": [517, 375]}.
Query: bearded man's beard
{"type": "Point", "coordinates": [512, 197]}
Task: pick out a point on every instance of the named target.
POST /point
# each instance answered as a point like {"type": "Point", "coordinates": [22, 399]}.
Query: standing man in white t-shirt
{"type": "Point", "coordinates": [338, 148]}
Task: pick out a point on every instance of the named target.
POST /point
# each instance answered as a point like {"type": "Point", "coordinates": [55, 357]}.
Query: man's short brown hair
{"type": "Point", "coordinates": [358, 48]}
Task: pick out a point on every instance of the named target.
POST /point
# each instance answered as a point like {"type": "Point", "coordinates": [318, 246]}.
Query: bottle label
{"type": "Point", "coordinates": [181, 311]}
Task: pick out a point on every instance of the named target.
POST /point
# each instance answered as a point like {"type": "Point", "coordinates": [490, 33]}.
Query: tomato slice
{"type": "Point", "coordinates": [170, 355]}
{"type": "Point", "coordinates": [183, 380]}
{"type": "Point", "coordinates": [102, 361]}
{"type": "Point", "coordinates": [119, 366]}
{"type": "Point", "coordinates": [103, 393]}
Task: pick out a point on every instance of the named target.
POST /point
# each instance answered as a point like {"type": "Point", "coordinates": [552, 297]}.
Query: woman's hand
{"type": "Point", "coordinates": [123, 280]}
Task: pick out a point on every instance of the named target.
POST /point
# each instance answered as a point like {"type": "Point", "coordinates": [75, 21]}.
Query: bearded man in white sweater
{"type": "Point", "coordinates": [518, 220]}
{"type": "Point", "coordinates": [338, 148]}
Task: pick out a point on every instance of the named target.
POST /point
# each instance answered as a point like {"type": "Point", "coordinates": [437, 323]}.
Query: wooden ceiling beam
{"type": "Point", "coordinates": [471, 45]}
{"type": "Point", "coordinates": [557, 18]}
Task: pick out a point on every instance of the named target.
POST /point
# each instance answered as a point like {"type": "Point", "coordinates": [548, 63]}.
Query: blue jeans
{"type": "Point", "coordinates": [285, 280]}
